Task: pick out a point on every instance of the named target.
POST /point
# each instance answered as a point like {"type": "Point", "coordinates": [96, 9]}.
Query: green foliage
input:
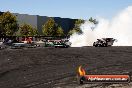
{"type": "Point", "coordinates": [28, 30]}
{"type": "Point", "coordinates": [50, 28]}
{"type": "Point", "coordinates": [8, 24]}
{"type": "Point", "coordinates": [93, 20]}
{"type": "Point", "coordinates": [72, 32]}
{"type": "Point", "coordinates": [79, 22]}
{"type": "Point", "coordinates": [60, 31]}
{"type": "Point", "coordinates": [76, 28]}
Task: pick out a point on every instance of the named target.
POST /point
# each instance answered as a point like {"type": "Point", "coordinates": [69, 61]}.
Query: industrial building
{"type": "Point", "coordinates": [37, 21]}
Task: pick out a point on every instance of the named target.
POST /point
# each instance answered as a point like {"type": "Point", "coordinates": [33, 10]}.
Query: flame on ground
{"type": "Point", "coordinates": [81, 71]}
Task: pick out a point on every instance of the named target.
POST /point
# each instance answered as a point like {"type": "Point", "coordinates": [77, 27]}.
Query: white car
{"type": "Point", "coordinates": [18, 45]}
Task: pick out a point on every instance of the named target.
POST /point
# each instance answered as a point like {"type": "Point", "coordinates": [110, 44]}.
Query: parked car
{"type": "Point", "coordinates": [32, 45]}
{"type": "Point", "coordinates": [2, 45]}
{"type": "Point", "coordinates": [49, 44]}
{"type": "Point", "coordinates": [61, 45]}
{"type": "Point", "coordinates": [18, 45]}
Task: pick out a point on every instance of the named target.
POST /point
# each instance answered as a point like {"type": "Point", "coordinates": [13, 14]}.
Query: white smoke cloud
{"type": "Point", "coordinates": [120, 28]}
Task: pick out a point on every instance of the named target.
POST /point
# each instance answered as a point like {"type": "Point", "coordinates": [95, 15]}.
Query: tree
{"type": "Point", "coordinates": [72, 32]}
{"type": "Point", "coordinates": [60, 31]}
{"type": "Point", "coordinates": [50, 28]}
{"type": "Point", "coordinates": [93, 20]}
{"type": "Point", "coordinates": [8, 24]}
{"type": "Point", "coordinates": [76, 28]}
{"type": "Point", "coordinates": [28, 30]}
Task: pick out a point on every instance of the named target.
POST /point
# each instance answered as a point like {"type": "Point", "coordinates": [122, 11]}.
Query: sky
{"type": "Point", "coordinates": [80, 9]}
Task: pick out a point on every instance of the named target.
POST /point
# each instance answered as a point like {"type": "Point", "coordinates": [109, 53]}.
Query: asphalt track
{"type": "Point", "coordinates": [57, 67]}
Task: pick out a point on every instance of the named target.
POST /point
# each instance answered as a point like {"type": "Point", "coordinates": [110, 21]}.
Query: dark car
{"type": "Point", "coordinates": [104, 42]}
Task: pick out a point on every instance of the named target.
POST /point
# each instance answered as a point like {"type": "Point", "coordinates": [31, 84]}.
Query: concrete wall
{"type": "Point", "coordinates": [37, 21]}
{"type": "Point", "coordinates": [41, 20]}
{"type": "Point", "coordinates": [65, 23]}
{"type": "Point", "coordinates": [28, 19]}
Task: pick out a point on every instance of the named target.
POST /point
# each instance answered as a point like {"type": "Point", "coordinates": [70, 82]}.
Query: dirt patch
{"type": "Point", "coordinates": [57, 67]}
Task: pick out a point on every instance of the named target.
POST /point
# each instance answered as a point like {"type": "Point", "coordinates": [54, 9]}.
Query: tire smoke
{"type": "Point", "coordinates": [120, 28]}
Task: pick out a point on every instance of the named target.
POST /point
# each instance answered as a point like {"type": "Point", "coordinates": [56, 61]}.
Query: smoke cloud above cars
{"type": "Point", "coordinates": [120, 28]}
